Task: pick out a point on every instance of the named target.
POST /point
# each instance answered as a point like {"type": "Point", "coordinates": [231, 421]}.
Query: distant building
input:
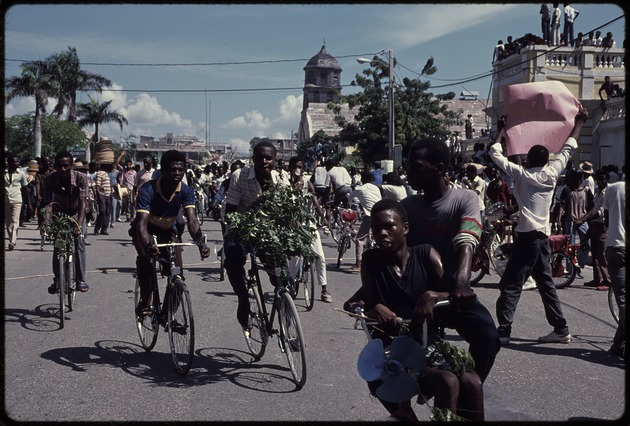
{"type": "Point", "coordinates": [322, 84]}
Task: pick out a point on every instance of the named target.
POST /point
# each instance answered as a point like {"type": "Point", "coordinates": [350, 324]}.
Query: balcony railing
{"type": "Point", "coordinates": [562, 57]}
{"type": "Point", "coordinates": [615, 109]}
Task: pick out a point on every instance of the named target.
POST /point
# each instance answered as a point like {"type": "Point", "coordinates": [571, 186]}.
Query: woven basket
{"type": "Point", "coordinates": [104, 157]}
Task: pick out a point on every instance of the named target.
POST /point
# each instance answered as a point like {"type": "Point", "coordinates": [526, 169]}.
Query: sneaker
{"type": "Point", "coordinates": [111, 225]}
{"type": "Point", "coordinates": [326, 297]}
{"type": "Point", "coordinates": [530, 284]}
{"type": "Point", "coordinates": [53, 289]}
{"type": "Point", "coordinates": [591, 283]}
{"type": "Point", "coordinates": [82, 287]}
{"type": "Point", "coordinates": [554, 337]}
{"type": "Point", "coordinates": [11, 246]}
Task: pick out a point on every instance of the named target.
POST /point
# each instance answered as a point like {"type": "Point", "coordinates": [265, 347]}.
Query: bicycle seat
{"type": "Point", "coordinates": [349, 215]}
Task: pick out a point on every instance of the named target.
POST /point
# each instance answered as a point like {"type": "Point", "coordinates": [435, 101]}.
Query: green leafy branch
{"type": "Point", "coordinates": [276, 223]}
{"type": "Point", "coordinates": [60, 228]}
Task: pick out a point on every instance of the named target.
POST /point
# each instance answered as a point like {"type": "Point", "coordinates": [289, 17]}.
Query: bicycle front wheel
{"type": "Point", "coordinates": [181, 326]}
{"type": "Point", "coordinates": [344, 244]}
{"type": "Point", "coordinates": [256, 336]}
{"type": "Point", "coordinates": [562, 270]}
{"type": "Point", "coordinates": [612, 304]}
{"type": "Point", "coordinates": [479, 262]}
{"type": "Point", "coordinates": [308, 284]}
{"type": "Point", "coordinates": [61, 287]}
{"type": "Point", "coordinates": [292, 338]}
{"type": "Point", "coordinates": [148, 326]}
{"type": "Point", "coordinates": [71, 289]}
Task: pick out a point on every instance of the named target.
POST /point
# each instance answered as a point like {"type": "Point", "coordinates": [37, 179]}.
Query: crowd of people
{"type": "Point", "coordinates": [425, 218]}
{"type": "Point", "coordinates": [557, 29]}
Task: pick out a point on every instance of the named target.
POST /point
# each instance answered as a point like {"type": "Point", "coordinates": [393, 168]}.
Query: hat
{"type": "Point", "coordinates": [78, 165]}
{"type": "Point", "coordinates": [587, 167]}
{"type": "Point", "coordinates": [33, 166]}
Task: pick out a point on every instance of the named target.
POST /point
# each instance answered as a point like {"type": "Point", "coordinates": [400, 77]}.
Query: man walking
{"type": "Point", "coordinates": [531, 253]}
{"type": "Point", "coordinates": [15, 190]}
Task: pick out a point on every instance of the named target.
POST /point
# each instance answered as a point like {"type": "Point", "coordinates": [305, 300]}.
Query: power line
{"type": "Point", "coordinates": [194, 64]}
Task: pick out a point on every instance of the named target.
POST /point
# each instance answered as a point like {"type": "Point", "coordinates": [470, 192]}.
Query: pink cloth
{"type": "Point", "coordinates": [540, 113]}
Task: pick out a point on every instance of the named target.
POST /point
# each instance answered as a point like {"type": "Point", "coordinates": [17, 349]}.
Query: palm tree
{"type": "Point", "coordinates": [72, 78]}
{"type": "Point", "coordinates": [95, 113]}
{"type": "Point", "coordinates": [35, 80]}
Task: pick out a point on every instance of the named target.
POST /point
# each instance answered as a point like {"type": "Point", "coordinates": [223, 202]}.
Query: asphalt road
{"type": "Point", "coordinates": [95, 370]}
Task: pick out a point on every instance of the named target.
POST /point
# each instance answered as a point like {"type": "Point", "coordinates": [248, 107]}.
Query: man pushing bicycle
{"type": "Point", "coordinates": [157, 206]}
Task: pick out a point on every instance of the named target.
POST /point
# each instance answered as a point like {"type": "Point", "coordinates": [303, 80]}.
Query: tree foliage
{"type": "Point", "coordinates": [57, 135]}
{"type": "Point", "coordinates": [95, 113]}
{"type": "Point", "coordinates": [417, 112]}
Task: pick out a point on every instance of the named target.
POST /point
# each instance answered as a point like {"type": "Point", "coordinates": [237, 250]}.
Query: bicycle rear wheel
{"type": "Point", "coordinates": [477, 271]}
{"type": "Point", "coordinates": [308, 284]}
{"type": "Point", "coordinates": [61, 287]}
{"type": "Point", "coordinates": [148, 326]}
{"type": "Point", "coordinates": [612, 304]}
{"type": "Point", "coordinates": [256, 336]}
{"type": "Point", "coordinates": [181, 326]}
{"type": "Point", "coordinates": [71, 290]}
{"type": "Point", "coordinates": [562, 270]}
{"type": "Point", "coordinates": [199, 212]}
{"type": "Point", "coordinates": [292, 338]}
{"type": "Point", "coordinates": [342, 246]}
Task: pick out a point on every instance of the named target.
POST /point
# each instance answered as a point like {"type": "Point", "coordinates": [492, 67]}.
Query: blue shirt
{"type": "Point", "coordinates": [163, 211]}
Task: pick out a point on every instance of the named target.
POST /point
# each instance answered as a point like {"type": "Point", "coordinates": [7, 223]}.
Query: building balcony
{"type": "Point", "coordinates": [582, 69]}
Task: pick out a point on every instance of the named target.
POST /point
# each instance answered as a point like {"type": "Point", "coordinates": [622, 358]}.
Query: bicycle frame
{"type": "Point", "coordinates": [279, 288]}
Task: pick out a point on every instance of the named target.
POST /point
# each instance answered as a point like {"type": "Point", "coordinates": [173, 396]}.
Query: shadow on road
{"type": "Point", "coordinates": [43, 318]}
{"type": "Point", "coordinates": [210, 365]}
{"type": "Point", "coordinates": [597, 354]}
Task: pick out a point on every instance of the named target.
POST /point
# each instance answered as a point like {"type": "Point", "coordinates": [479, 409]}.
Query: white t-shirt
{"type": "Point", "coordinates": [615, 203]}
{"type": "Point", "coordinates": [368, 195]}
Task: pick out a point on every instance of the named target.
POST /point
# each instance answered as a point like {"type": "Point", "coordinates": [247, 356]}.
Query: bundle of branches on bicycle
{"type": "Point", "coordinates": [59, 227]}
{"type": "Point", "coordinates": [276, 224]}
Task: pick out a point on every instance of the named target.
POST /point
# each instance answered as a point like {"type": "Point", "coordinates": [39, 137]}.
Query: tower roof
{"type": "Point", "coordinates": [323, 59]}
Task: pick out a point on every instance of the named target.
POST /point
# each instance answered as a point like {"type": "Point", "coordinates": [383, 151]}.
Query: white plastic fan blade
{"type": "Point", "coordinates": [397, 388]}
{"type": "Point", "coordinates": [408, 352]}
{"type": "Point", "coordinates": [371, 362]}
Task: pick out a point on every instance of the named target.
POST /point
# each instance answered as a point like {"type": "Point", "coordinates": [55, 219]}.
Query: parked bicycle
{"type": "Point", "coordinates": [260, 326]}
{"type": "Point", "coordinates": [174, 313]}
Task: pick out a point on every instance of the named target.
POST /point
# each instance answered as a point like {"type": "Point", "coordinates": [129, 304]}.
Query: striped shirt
{"type": "Point", "coordinates": [103, 184]}
{"type": "Point", "coordinates": [244, 188]}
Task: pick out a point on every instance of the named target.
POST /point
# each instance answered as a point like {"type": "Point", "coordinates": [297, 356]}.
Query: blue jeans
{"type": "Point", "coordinates": [580, 231]}
{"type": "Point", "coordinates": [531, 255]}
{"type": "Point", "coordinates": [616, 257]}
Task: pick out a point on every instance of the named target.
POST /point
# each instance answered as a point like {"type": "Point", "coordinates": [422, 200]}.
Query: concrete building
{"type": "Point", "coordinates": [582, 70]}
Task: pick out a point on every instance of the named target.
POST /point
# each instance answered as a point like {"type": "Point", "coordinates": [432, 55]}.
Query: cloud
{"type": "Point", "coordinates": [424, 23]}
{"type": "Point", "coordinates": [145, 115]}
{"type": "Point", "coordinates": [240, 146]}
{"type": "Point", "coordinates": [284, 120]}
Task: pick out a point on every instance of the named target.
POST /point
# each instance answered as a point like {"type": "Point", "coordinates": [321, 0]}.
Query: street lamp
{"type": "Point", "coordinates": [390, 135]}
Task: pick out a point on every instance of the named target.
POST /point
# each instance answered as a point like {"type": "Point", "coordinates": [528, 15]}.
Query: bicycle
{"type": "Point", "coordinates": [174, 313]}
{"type": "Point", "coordinates": [612, 304]}
{"type": "Point", "coordinates": [344, 232]}
{"type": "Point", "coordinates": [60, 227]}
{"type": "Point", "coordinates": [489, 253]}
{"type": "Point", "coordinates": [305, 277]}
{"type": "Point", "coordinates": [260, 324]}
{"type": "Point", "coordinates": [563, 260]}
{"type": "Point", "coordinates": [200, 196]}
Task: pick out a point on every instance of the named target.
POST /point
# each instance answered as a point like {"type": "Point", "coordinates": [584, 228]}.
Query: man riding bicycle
{"type": "Point", "coordinates": [66, 190]}
{"type": "Point", "coordinates": [157, 206]}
